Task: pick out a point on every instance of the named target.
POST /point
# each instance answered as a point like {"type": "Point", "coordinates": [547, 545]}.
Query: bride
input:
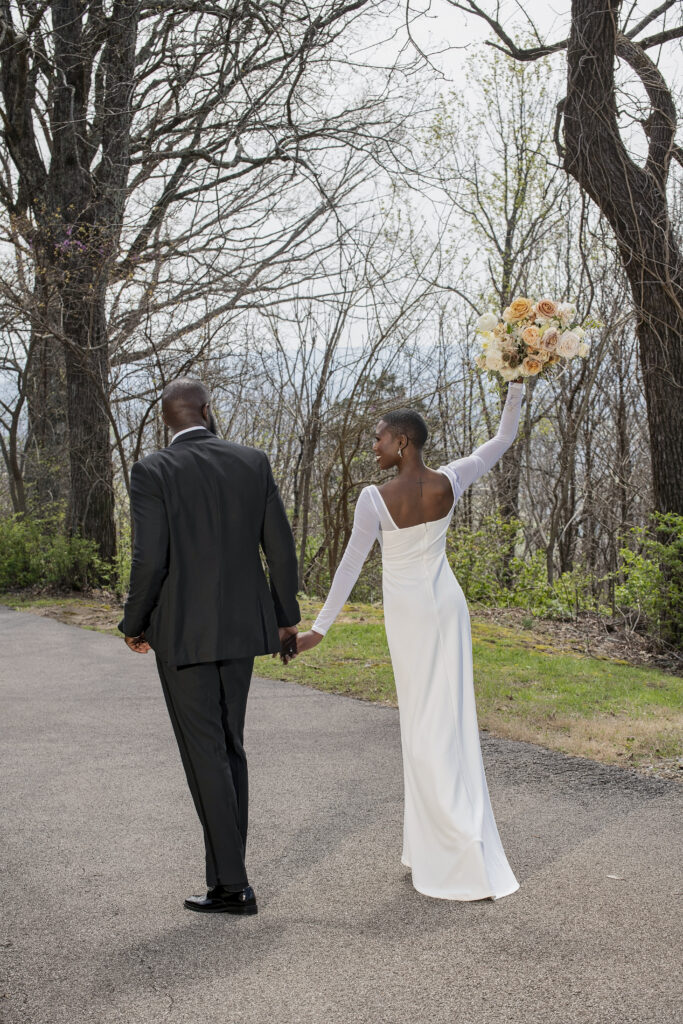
{"type": "Point", "coordinates": [450, 839]}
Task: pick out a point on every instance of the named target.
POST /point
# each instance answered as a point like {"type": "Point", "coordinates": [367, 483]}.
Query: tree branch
{"type": "Point", "coordinates": [661, 124]}
{"type": "Point", "coordinates": [510, 47]}
{"type": "Point", "coordinates": [649, 18]}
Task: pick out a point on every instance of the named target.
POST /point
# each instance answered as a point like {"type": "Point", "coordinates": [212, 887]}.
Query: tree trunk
{"type": "Point", "coordinates": [47, 469]}
{"type": "Point", "coordinates": [508, 489]}
{"type": "Point", "coordinates": [633, 199]}
{"type": "Point", "coordinates": [91, 505]}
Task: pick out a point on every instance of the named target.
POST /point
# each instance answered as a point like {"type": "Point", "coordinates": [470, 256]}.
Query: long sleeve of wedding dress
{"type": "Point", "coordinates": [366, 530]}
{"type": "Point", "coordinates": [371, 517]}
{"type": "Point", "coordinates": [474, 466]}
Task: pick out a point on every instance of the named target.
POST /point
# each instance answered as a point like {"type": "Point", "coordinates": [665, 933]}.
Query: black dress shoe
{"type": "Point", "coordinates": [219, 901]}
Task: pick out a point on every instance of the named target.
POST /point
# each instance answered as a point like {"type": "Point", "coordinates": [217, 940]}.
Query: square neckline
{"type": "Point", "coordinates": [427, 522]}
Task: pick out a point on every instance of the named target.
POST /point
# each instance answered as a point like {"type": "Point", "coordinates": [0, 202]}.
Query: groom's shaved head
{"type": "Point", "coordinates": [182, 402]}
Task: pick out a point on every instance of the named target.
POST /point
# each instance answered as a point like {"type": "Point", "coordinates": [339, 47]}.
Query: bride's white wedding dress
{"type": "Point", "coordinates": [450, 839]}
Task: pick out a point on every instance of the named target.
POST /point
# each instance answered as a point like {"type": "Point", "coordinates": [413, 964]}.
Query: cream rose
{"type": "Point", "coordinates": [508, 373]}
{"type": "Point", "coordinates": [566, 311]}
{"type": "Point", "coordinates": [584, 349]}
{"type": "Point", "coordinates": [494, 360]}
{"type": "Point", "coordinates": [568, 345]}
{"type": "Point", "coordinates": [487, 322]}
{"type": "Point", "coordinates": [531, 366]}
{"type": "Point", "coordinates": [545, 309]}
{"type": "Point", "coordinates": [481, 362]}
{"type": "Point", "coordinates": [519, 309]}
{"type": "Point", "coordinates": [531, 336]}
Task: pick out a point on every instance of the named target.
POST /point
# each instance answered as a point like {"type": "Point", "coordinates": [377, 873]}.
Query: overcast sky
{"type": "Point", "coordinates": [448, 34]}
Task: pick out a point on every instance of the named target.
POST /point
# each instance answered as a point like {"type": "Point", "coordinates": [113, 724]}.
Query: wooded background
{"type": "Point", "coordinates": [255, 194]}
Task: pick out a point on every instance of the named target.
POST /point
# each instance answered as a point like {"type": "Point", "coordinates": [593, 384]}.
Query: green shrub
{"type": "Point", "coordinates": [489, 573]}
{"type": "Point", "coordinates": [32, 554]}
{"type": "Point", "coordinates": [483, 561]}
{"type": "Point", "coordinates": [530, 588]}
{"type": "Point", "coordinates": [650, 579]}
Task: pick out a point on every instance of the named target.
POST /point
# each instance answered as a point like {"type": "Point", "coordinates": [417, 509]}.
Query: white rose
{"type": "Point", "coordinates": [566, 311]}
{"type": "Point", "coordinates": [507, 373]}
{"type": "Point", "coordinates": [584, 349]}
{"type": "Point", "coordinates": [487, 322]}
{"type": "Point", "coordinates": [568, 345]}
{"type": "Point", "coordinates": [579, 332]}
{"type": "Point", "coordinates": [494, 360]}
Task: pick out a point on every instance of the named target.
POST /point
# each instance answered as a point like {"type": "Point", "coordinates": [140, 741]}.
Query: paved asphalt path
{"type": "Point", "coordinates": [100, 845]}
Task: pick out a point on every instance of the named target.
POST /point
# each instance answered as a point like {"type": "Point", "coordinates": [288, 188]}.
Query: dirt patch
{"type": "Point", "coordinates": [92, 612]}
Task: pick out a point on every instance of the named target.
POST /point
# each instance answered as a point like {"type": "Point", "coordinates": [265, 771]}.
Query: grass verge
{"type": "Point", "coordinates": [599, 708]}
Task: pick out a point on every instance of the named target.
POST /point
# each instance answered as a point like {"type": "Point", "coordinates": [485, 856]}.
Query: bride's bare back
{"type": "Point", "coordinates": [415, 498]}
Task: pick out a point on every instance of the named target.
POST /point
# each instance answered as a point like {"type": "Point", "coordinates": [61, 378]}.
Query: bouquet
{"type": "Point", "coordinates": [530, 339]}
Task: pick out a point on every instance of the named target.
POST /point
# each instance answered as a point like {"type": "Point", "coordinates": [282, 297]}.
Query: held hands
{"type": "Point", "coordinates": [288, 643]}
{"type": "Point", "coordinates": [292, 642]}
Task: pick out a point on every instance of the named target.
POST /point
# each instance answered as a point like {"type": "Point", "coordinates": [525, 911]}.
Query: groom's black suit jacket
{"type": "Point", "coordinates": [203, 509]}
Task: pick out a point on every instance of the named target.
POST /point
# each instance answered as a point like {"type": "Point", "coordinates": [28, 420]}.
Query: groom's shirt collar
{"type": "Point", "coordinates": [185, 431]}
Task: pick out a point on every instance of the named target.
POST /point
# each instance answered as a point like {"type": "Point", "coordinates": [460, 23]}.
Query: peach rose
{"type": "Point", "coordinates": [531, 366]}
{"type": "Point", "coordinates": [519, 309]}
{"type": "Point", "coordinates": [545, 309]}
{"type": "Point", "coordinates": [531, 336]}
{"type": "Point", "coordinates": [549, 340]}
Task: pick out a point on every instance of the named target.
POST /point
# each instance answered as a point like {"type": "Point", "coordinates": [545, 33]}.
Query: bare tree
{"type": "Point", "coordinates": [135, 128]}
{"type": "Point", "coordinates": [633, 198]}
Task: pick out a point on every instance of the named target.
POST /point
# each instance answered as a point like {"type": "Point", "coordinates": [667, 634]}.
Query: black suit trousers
{"type": "Point", "coordinates": [207, 704]}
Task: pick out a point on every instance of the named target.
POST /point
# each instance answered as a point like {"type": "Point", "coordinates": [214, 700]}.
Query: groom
{"type": "Point", "coordinates": [203, 509]}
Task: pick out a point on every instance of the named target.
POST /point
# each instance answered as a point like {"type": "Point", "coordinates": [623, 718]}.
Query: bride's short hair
{"type": "Point", "coordinates": [408, 422]}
